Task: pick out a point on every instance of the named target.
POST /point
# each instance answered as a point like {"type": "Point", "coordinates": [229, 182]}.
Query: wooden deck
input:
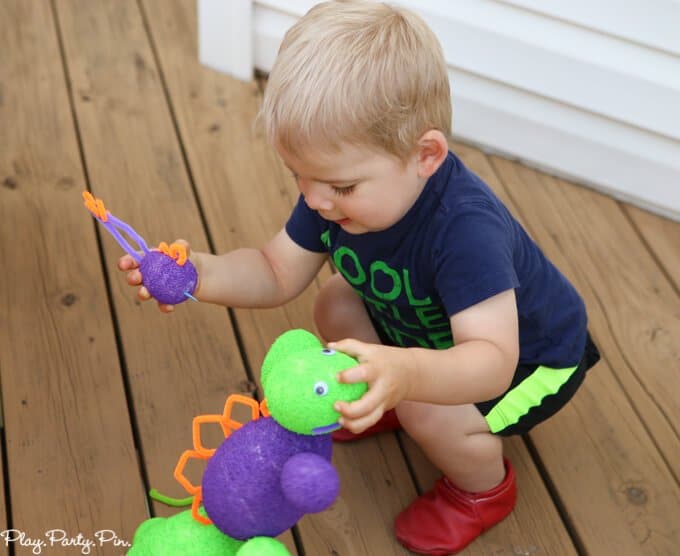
{"type": "Point", "coordinates": [99, 390]}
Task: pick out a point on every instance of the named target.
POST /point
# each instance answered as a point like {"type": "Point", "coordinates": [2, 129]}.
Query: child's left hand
{"type": "Point", "coordinates": [385, 369]}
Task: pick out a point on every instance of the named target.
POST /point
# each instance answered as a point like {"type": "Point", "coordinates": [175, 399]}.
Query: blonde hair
{"type": "Point", "coordinates": [358, 72]}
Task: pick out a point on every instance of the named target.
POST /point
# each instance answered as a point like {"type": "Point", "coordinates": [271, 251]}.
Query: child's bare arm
{"type": "Point", "coordinates": [481, 364]}
{"type": "Point", "coordinates": [266, 277]}
{"type": "Point", "coordinates": [479, 367]}
{"type": "Point", "coordinates": [246, 277]}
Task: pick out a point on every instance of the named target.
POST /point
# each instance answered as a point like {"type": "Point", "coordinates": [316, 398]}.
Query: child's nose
{"type": "Point", "coordinates": [315, 198]}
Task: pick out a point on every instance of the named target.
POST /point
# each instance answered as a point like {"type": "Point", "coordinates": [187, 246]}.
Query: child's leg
{"type": "Point", "coordinates": [456, 439]}
{"type": "Point", "coordinates": [478, 488]}
{"type": "Point", "coordinates": [340, 313]}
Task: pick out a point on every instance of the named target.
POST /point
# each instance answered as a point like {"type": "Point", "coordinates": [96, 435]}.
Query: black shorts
{"type": "Point", "coordinates": [537, 392]}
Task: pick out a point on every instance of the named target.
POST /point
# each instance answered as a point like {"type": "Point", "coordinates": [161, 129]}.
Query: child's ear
{"type": "Point", "coordinates": [432, 150]}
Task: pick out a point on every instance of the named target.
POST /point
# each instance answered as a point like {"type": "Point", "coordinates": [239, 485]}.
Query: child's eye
{"type": "Point", "coordinates": [342, 191]}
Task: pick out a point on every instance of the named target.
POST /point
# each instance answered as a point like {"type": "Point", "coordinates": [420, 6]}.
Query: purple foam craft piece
{"type": "Point", "coordinates": [310, 482]}
{"type": "Point", "coordinates": [113, 224]}
{"type": "Point", "coordinates": [241, 485]}
{"type": "Point", "coordinates": [165, 279]}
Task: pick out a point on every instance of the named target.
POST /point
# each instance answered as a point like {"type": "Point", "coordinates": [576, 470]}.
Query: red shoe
{"type": "Point", "coordinates": [388, 422]}
{"type": "Point", "coordinates": [447, 519]}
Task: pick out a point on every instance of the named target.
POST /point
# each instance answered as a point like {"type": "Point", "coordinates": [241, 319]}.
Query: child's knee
{"type": "Point", "coordinates": [429, 422]}
{"type": "Point", "coordinates": [419, 421]}
{"type": "Point", "coordinates": [337, 309]}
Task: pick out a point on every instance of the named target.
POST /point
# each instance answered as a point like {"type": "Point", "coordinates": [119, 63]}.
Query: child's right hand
{"type": "Point", "coordinates": [134, 277]}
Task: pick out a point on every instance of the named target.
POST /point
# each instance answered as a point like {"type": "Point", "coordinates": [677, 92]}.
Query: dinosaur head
{"type": "Point", "coordinates": [300, 384]}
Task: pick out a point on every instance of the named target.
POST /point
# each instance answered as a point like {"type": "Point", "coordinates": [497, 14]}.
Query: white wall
{"type": "Point", "coordinates": [587, 89]}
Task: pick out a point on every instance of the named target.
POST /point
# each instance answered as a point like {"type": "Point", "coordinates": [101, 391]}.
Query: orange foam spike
{"type": "Point", "coordinates": [95, 206]}
{"type": "Point", "coordinates": [194, 511]}
{"type": "Point", "coordinates": [164, 248]}
{"type": "Point", "coordinates": [179, 253]}
{"type": "Point", "coordinates": [196, 432]}
{"type": "Point", "coordinates": [179, 470]}
{"type": "Point", "coordinates": [234, 399]}
{"type": "Point", "coordinates": [176, 251]}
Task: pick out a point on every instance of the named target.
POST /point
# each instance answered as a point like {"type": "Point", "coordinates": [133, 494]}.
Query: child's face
{"type": "Point", "coordinates": [362, 190]}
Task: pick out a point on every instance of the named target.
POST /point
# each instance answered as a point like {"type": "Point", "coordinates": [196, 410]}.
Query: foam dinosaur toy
{"type": "Point", "coordinates": [267, 473]}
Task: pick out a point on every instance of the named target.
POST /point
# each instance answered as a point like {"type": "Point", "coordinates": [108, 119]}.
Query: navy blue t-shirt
{"type": "Point", "coordinates": [456, 246]}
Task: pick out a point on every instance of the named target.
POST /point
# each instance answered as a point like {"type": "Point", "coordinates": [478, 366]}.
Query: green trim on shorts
{"type": "Point", "coordinates": [529, 393]}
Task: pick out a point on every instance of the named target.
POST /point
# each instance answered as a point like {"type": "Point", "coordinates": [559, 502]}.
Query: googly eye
{"type": "Point", "coordinates": [321, 388]}
{"type": "Point", "coordinates": [328, 351]}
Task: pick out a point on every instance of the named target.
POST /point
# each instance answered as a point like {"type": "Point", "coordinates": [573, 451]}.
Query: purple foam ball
{"type": "Point", "coordinates": [165, 279]}
{"type": "Point", "coordinates": [310, 482]}
{"type": "Point", "coordinates": [241, 484]}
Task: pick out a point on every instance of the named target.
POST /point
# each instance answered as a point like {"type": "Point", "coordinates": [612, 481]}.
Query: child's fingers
{"type": "Point", "coordinates": [365, 405]}
{"type": "Point", "coordinates": [362, 423]}
{"type": "Point", "coordinates": [143, 294]}
{"type": "Point", "coordinates": [126, 262]}
{"type": "Point", "coordinates": [134, 277]}
{"type": "Point", "coordinates": [353, 348]}
{"type": "Point", "coordinates": [359, 373]}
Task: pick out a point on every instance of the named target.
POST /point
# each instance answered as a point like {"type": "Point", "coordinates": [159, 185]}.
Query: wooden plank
{"type": "Point", "coordinates": [71, 456]}
{"type": "Point", "coordinates": [4, 547]}
{"type": "Point", "coordinates": [247, 197]}
{"type": "Point", "coordinates": [604, 462]}
{"type": "Point", "coordinates": [662, 237]}
{"type": "Point", "coordinates": [178, 366]}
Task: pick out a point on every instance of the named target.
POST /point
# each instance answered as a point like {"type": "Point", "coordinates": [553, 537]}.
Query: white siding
{"type": "Point", "coordinates": [652, 23]}
{"type": "Point", "coordinates": [225, 31]}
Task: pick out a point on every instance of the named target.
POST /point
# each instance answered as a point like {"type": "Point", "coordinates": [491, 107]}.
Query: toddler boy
{"type": "Point", "coordinates": [463, 329]}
